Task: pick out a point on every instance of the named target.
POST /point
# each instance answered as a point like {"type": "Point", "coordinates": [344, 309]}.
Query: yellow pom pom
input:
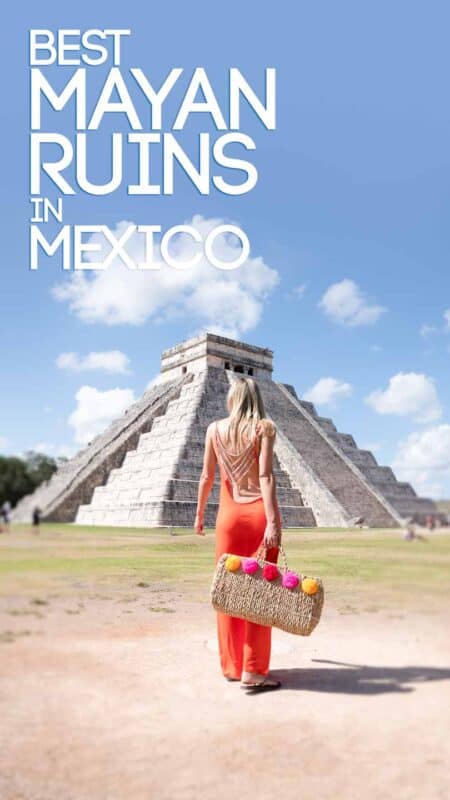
{"type": "Point", "coordinates": [309, 585]}
{"type": "Point", "coordinates": [232, 563]}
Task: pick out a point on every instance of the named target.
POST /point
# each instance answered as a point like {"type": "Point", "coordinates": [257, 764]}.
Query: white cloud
{"type": "Point", "coordinates": [408, 394]}
{"type": "Point", "coordinates": [227, 302]}
{"type": "Point", "coordinates": [327, 390]}
{"type": "Point", "coordinates": [376, 348]}
{"type": "Point", "coordinates": [424, 460]}
{"type": "Point", "coordinates": [107, 361]}
{"type": "Point", "coordinates": [3, 442]}
{"type": "Point", "coordinates": [346, 303]}
{"type": "Point", "coordinates": [428, 330]}
{"type": "Point", "coordinates": [96, 409]}
{"type": "Point", "coordinates": [299, 291]}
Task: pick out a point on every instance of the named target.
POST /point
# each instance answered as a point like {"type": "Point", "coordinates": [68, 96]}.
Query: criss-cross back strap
{"type": "Point", "coordinates": [236, 465]}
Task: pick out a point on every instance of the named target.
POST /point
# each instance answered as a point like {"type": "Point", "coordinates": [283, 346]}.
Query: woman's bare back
{"type": "Point", "coordinates": [240, 466]}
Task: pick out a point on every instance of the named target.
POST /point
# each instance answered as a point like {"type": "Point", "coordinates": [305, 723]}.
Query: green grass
{"type": "Point", "coordinates": [352, 563]}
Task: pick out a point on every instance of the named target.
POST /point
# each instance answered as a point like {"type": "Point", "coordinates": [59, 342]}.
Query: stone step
{"type": "Point", "coordinates": [362, 458]}
{"type": "Point", "coordinates": [162, 513]}
{"type": "Point", "coordinates": [174, 489]}
{"type": "Point", "coordinates": [398, 489]}
{"type": "Point", "coordinates": [309, 407]}
{"type": "Point", "coordinates": [343, 440]}
{"type": "Point", "coordinates": [379, 476]}
{"type": "Point", "coordinates": [193, 470]}
{"type": "Point", "coordinates": [409, 506]}
{"type": "Point", "coordinates": [150, 478]}
{"type": "Point", "coordinates": [146, 477]}
{"type": "Point", "coordinates": [327, 424]}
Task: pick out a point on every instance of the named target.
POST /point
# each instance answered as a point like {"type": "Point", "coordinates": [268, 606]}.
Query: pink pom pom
{"type": "Point", "coordinates": [250, 565]}
{"type": "Point", "coordinates": [270, 572]}
{"type": "Point", "coordinates": [290, 580]}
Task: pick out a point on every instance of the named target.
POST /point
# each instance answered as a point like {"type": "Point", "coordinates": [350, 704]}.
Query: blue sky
{"type": "Point", "coordinates": [349, 216]}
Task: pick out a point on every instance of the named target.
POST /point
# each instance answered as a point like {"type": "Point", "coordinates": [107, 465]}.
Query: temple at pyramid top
{"type": "Point", "coordinates": [194, 355]}
{"type": "Point", "coordinates": [144, 468]}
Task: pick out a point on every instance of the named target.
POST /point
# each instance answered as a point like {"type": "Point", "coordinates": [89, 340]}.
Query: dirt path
{"type": "Point", "coordinates": [105, 699]}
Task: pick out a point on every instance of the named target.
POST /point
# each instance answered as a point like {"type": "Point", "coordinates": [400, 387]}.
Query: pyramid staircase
{"type": "Point", "coordinates": [352, 476]}
{"type": "Point", "coordinates": [75, 480]}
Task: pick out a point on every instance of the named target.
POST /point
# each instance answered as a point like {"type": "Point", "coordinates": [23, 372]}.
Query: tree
{"type": "Point", "coordinates": [20, 476]}
{"type": "Point", "coordinates": [15, 480]}
{"type": "Point", "coordinates": [40, 467]}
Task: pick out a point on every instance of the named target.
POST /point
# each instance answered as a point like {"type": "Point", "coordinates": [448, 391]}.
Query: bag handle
{"type": "Point", "coordinates": [262, 546]}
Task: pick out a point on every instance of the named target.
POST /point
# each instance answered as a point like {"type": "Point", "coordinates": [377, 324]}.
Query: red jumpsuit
{"type": "Point", "coordinates": [243, 646]}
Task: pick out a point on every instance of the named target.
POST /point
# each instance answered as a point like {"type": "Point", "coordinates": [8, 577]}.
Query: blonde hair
{"type": "Point", "coordinates": [246, 408]}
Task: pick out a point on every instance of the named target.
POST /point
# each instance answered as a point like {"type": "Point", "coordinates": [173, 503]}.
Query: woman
{"type": "Point", "coordinates": [248, 516]}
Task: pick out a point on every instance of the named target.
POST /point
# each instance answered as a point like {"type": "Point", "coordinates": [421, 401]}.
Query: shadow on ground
{"type": "Point", "coordinates": [345, 678]}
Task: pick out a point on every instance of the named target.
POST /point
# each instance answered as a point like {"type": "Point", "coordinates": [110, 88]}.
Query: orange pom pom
{"type": "Point", "coordinates": [232, 563]}
{"type": "Point", "coordinates": [309, 585]}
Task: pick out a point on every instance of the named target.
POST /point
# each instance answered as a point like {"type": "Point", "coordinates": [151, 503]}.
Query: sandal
{"type": "Point", "coordinates": [261, 686]}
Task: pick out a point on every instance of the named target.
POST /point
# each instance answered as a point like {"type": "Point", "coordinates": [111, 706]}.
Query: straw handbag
{"type": "Point", "coordinates": [263, 592]}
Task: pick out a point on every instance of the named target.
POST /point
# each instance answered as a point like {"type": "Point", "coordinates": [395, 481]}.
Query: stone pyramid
{"type": "Point", "coordinates": [144, 469]}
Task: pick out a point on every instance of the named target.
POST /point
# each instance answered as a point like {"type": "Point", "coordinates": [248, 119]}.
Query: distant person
{"type": "Point", "coordinates": [36, 518]}
{"type": "Point", "coordinates": [410, 534]}
{"type": "Point", "coordinates": [5, 513]}
{"type": "Point", "coordinates": [429, 522]}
